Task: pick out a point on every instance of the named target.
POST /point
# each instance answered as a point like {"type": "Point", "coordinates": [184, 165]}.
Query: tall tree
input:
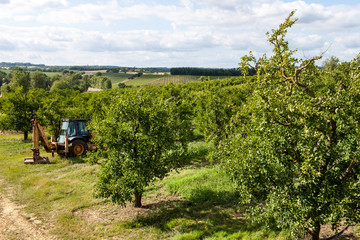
{"type": "Point", "coordinates": [331, 63]}
{"type": "Point", "coordinates": [56, 105]}
{"type": "Point", "coordinates": [39, 80]}
{"type": "Point", "coordinates": [2, 79]}
{"type": "Point", "coordinates": [144, 134]}
{"type": "Point", "coordinates": [19, 107]}
{"type": "Point", "coordinates": [70, 80]}
{"type": "Point", "coordinates": [20, 78]}
{"type": "Point", "coordinates": [298, 163]}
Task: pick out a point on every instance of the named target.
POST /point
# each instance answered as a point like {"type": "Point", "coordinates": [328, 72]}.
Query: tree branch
{"type": "Point", "coordinates": [297, 72]}
{"type": "Point", "coordinates": [348, 170]}
{"type": "Point", "coordinates": [342, 87]}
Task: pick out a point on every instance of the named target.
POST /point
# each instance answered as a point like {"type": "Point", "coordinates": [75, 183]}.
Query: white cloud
{"type": "Point", "coordinates": [6, 45]}
{"type": "Point", "coordinates": [36, 4]}
{"type": "Point", "coordinates": [149, 32]}
{"type": "Point", "coordinates": [306, 42]}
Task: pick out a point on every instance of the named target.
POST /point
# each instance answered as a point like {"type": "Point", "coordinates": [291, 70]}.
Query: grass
{"type": "Point", "coordinates": [198, 202]}
{"type": "Point", "coordinates": [143, 80]}
{"type": "Point", "coordinates": [51, 74]}
{"type": "Point", "coordinates": [7, 71]}
{"type": "Point", "coordinates": [174, 79]}
{"type": "Point", "coordinates": [116, 77]}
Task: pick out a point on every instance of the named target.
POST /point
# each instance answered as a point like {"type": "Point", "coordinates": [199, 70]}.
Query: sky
{"type": "Point", "coordinates": [171, 33]}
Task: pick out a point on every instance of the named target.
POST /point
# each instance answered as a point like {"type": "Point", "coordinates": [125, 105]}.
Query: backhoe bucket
{"type": "Point", "coordinates": [32, 160]}
{"type": "Point", "coordinates": [36, 159]}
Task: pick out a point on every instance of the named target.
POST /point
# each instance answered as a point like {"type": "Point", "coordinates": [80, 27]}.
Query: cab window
{"type": "Point", "coordinates": [71, 129]}
{"type": "Point", "coordinates": [63, 130]}
{"type": "Point", "coordinates": [82, 128]}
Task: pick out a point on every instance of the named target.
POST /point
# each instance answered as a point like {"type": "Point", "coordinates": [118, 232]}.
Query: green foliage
{"type": "Point", "coordinates": [100, 81]}
{"type": "Point", "coordinates": [204, 71]}
{"type": "Point", "coordinates": [4, 122]}
{"type": "Point", "coordinates": [19, 107]}
{"type": "Point", "coordinates": [215, 108]}
{"type": "Point", "coordinates": [145, 134]}
{"type": "Point", "coordinates": [39, 80]}
{"type": "Point", "coordinates": [331, 63]}
{"type": "Point", "coordinates": [2, 79]}
{"type": "Point", "coordinates": [69, 80]}
{"type": "Point", "coordinates": [121, 85]}
{"type": "Point", "coordinates": [203, 78]}
{"type": "Point", "coordinates": [56, 105]}
{"type": "Point", "coordinates": [295, 158]}
{"type": "Point", "coordinates": [20, 78]}
{"type": "Point", "coordinates": [16, 78]}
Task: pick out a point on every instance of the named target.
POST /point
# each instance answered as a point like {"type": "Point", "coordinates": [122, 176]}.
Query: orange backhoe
{"type": "Point", "coordinates": [74, 140]}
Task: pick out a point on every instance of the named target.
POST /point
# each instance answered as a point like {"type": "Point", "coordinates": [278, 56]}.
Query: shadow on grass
{"type": "Point", "coordinates": [76, 160]}
{"type": "Point", "coordinates": [206, 214]}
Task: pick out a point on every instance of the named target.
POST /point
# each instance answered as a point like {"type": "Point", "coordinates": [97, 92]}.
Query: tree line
{"type": "Point", "coordinates": [19, 77]}
{"type": "Point", "coordinates": [205, 71]}
{"type": "Point", "coordinates": [288, 136]}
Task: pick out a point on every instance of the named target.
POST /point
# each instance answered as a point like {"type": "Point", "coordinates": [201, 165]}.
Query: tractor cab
{"type": "Point", "coordinates": [74, 128]}
{"type": "Point", "coordinates": [77, 134]}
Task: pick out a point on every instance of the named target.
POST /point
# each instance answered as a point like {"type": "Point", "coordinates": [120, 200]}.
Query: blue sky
{"type": "Point", "coordinates": [159, 33]}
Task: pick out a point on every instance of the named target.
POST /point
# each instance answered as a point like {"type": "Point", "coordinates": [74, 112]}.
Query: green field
{"type": "Point", "coordinates": [174, 79]}
{"type": "Point", "coordinates": [51, 74]}
{"type": "Point", "coordinates": [116, 77]}
{"type": "Point", "coordinates": [145, 79]}
{"type": "Point", "coordinates": [7, 71]}
{"type": "Point", "coordinates": [199, 202]}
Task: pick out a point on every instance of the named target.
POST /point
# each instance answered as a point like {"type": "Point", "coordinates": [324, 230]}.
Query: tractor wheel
{"type": "Point", "coordinates": [78, 148]}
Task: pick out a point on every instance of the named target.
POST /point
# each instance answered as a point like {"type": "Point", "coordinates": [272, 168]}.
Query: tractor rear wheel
{"type": "Point", "coordinates": [78, 148]}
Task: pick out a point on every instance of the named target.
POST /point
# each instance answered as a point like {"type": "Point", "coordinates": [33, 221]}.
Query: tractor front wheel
{"type": "Point", "coordinates": [78, 148]}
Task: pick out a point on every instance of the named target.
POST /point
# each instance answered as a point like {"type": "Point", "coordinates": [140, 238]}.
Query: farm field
{"type": "Point", "coordinates": [148, 79]}
{"type": "Point", "coordinates": [182, 79]}
{"type": "Point", "coordinates": [153, 79]}
{"type": "Point", "coordinates": [7, 71]}
{"type": "Point", "coordinates": [174, 79]}
{"type": "Point", "coordinates": [51, 74]}
{"type": "Point", "coordinates": [116, 77]}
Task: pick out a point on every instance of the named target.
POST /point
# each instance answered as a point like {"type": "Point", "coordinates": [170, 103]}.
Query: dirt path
{"type": "Point", "coordinates": [14, 223]}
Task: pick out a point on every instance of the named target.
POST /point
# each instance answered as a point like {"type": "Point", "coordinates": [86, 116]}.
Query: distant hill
{"type": "Point", "coordinates": [59, 68]}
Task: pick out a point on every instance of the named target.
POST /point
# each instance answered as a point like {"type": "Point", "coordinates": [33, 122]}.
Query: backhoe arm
{"type": "Point", "coordinates": [38, 133]}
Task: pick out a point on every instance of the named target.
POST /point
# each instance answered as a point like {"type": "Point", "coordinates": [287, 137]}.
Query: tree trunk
{"type": "Point", "coordinates": [26, 135]}
{"type": "Point", "coordinates": [137, 202]}
{"type": "Point", "coordinates": [314, 233]}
